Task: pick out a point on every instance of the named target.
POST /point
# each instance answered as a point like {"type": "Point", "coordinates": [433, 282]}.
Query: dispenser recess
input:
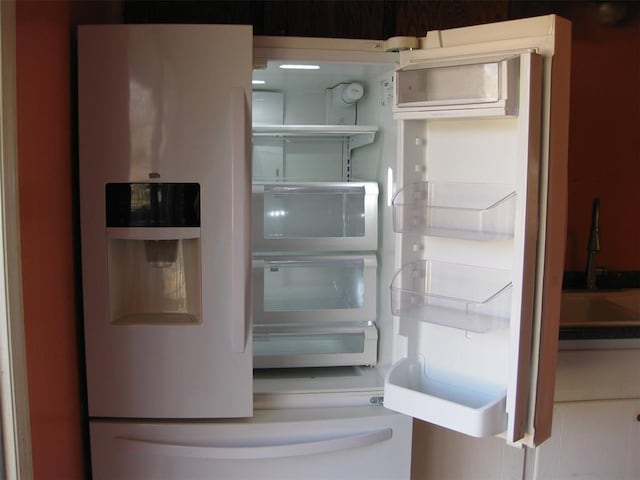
{"type": "Point", "coordinates": [153, 250]}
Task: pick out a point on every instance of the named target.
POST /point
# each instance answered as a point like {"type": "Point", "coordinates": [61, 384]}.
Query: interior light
{"type": "Point", "coordinates": [299, 67]}
{"type": "Point", "coordinates": [258, 82]}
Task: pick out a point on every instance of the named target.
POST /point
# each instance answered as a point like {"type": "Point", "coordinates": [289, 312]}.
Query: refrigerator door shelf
{"type": "Point", "coordinates": [475, 299]}
{"type": "Point", "coordinates": [475, 410]}
{"type": "Point", "coordinates": [314, 345]}
{"type": "Point", "coordinates": [323, 216]}
{"type": "Point", "coordinates": [314, 289]}
{"type": "Point", "coordinates": [472, 88]}
{"type": "Point", "coordinates": [471, 211]}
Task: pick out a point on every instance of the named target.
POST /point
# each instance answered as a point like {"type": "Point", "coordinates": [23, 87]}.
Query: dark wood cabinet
{"type": "Point", "coordinates": [377, 19]}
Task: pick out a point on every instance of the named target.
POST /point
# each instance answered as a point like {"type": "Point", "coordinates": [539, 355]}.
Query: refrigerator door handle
{"type": "Point", "coordinates": [239, 213]}
{"type": "Point", "coordinates": [247, 452]}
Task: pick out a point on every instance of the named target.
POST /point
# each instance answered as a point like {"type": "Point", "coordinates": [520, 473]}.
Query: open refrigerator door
{"type": "Point", "coordinates": [480, 222]}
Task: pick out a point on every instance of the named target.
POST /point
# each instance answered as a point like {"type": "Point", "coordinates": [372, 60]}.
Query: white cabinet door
{"type": "Point", "coordinates": [597, 440]}
{"type": "Point", "coordinates": [442, 454]}
{"type": "Point", "coordinates": [480, 212]}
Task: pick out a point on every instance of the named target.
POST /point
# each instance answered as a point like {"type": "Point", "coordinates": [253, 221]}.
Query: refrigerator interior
{"type": "Point", "coordinates": [321, 281]}
{"type": "Point", "coordinates": [458, 225]}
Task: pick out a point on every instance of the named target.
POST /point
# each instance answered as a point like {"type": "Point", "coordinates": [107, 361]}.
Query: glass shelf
{"type": "Point", "coordinates": [358, 135]}
{"type": "Point", "coordinates": [473, 211]}
{"type": "Point", "coordinates": [466, 297]}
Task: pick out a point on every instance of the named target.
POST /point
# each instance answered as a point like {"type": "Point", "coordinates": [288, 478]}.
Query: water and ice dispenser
{"type": "Point", "coordinates": [153, 249]}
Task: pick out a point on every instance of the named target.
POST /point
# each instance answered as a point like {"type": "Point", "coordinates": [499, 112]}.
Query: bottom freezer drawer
{"type": "Point", "coordinates": [337, 443]}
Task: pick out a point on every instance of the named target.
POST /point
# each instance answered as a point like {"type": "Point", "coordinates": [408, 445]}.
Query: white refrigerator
{"type": "Point", "coordinates": [278, 278]}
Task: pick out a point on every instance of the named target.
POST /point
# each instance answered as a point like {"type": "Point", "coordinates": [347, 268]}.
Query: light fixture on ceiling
{"type": "Point", "coordinates": [613, 13]}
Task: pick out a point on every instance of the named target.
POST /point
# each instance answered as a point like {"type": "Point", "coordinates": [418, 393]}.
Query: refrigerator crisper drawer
{"type": "Point", "coordinates": [338, 443]}
{"type": "Point", "coordinates": [466, 297]}
{"type": "Point", "coordinates": [314, 289]}
{"type": "Point", "coordinates": [326, 345]}
{"type": "Point", "coordinates": [329, 216]}
{"type": "Point", "coordinates": [474, 409]}
{"type": "Point", "coordinates": [473, 88]}
{"type": "Point", "coordinates": [471, 211]}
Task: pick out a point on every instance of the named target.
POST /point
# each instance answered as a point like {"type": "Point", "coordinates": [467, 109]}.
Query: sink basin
{"type": "Point", "coordinates": [600, 308]}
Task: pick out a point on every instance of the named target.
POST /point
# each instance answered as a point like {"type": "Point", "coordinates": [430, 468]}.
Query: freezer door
{"type": "Point", "coordinates": [164, 135]}
{"type": "Point", "coordinates": [479, 210]}
{"type": "Point", "coordinates": [338, 443]}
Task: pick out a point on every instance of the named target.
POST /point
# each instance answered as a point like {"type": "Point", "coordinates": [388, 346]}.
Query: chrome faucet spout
{"type": "Point", "coordinates": [593, 246]}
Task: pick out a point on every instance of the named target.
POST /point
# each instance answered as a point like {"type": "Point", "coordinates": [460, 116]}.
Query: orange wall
{"type": "Point", "coordinates": [44, 162]}
{"type": "Point", "coordinates": [45, 155]}
{"type": "Point", "coordinates": [604, 143]}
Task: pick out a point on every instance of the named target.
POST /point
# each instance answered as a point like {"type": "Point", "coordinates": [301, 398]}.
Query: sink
{"type": "Point", "coordinates": [600, 308]}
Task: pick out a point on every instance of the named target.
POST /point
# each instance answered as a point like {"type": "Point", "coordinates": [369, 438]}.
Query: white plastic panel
{"type": "Point", "coordinates": [267, 107]}
{"type": "Point", "coordinates": [302, 217]}
{"type": "Point", "coordinates": [314, 289]}
{"type": "Point", "coordinates": [341, 443]}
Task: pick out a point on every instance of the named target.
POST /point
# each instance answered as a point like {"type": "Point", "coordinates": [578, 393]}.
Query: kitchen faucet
{"type": "Point", "coordinates": [593, 246]}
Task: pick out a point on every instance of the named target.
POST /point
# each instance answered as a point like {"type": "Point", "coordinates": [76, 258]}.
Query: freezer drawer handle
{"type": "Point", "coordinates": [333, 444]}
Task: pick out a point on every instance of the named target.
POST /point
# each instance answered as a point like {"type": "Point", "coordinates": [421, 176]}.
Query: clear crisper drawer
{"type": "Point", "coordinates": [314, 289]}
{"type": "Point", "coordinates": [317, 345]}
{"type": "Point", "coordinates": [326, 216]}
{"type": "Point", "coordinates": [474, 211]}
{"type": "Point", "coordinates": [436, 397]}
{"type": "Point", "coordinates": [470, 298]}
